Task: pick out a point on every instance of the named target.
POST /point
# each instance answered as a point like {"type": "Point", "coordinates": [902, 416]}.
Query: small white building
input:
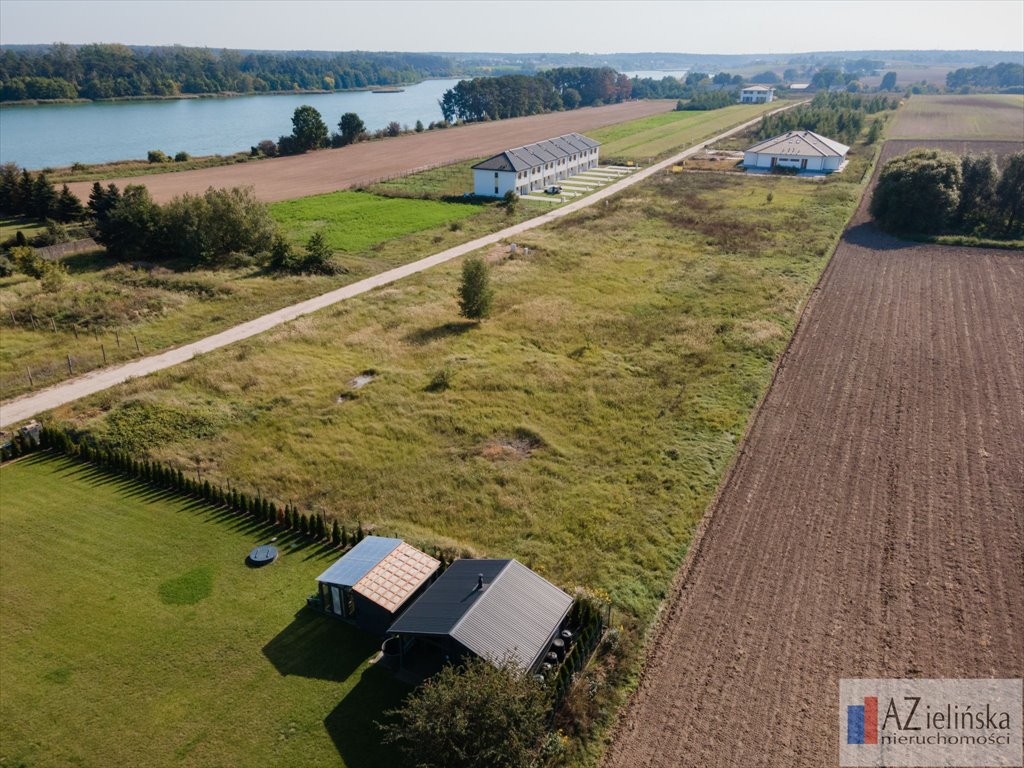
{"type": "Point", "coordinates": [535, 166]}
{"type": "Point", "coordinates": [757, 94]}
{"type": "Point", "coordinates": [801, 150]}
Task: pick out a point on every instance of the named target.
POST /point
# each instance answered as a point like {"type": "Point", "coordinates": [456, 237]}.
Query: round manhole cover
{"type": "Point", "coordinates": [263, 555]}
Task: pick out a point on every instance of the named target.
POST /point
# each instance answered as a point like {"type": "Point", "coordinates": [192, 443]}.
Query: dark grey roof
{"type": "Point", "coordinates": [532, 155]}
{"type": "Point", "coordinates": [359, 560]}
{"type": "Point", "coordinates": [514, 615]}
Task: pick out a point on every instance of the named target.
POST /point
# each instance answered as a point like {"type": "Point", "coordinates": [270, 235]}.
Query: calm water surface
{"type": "Point", "coordinates": [55, 135]}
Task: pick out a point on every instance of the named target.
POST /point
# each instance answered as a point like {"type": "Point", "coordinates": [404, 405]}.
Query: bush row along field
{"type": "Point", "coordinates": [655, 137]}
{"type": "Point", "coordinates": [979, 117]}
{"type": "Point", "coordinates": [582, 429]}
{"type": "Point", "coordinates": [134, 634]}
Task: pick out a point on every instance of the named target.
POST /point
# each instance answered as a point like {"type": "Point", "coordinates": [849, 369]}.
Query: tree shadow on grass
{"type": "Point", "coordinates": [352, 724]}
{"type": "Point", "coordinates": [319, 647]}
{"type": "Point", "coordinates": [427, 335]}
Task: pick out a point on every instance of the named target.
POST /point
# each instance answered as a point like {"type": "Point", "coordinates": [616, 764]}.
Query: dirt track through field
{"type": "Point", "coordinates": [285, 178]}
{"type": "Point", "coordinates": [872, 526]}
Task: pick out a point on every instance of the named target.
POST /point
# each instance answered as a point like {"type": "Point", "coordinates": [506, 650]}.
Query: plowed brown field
{"type": "Point", "coordinates": [872, 525]}
{"type": "Point", "coordinates": [285, 178]}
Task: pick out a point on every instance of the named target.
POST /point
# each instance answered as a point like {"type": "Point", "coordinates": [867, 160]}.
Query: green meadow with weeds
{"type": "Point", "coordinates": [583, 428]}
{"type": "Point", "coordinates": [134, 634]}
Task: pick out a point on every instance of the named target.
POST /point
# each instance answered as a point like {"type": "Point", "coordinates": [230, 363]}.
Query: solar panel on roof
{"type": "Point", "coordinates": [359, 561]}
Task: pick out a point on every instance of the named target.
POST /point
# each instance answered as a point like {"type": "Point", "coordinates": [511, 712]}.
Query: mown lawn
{"type": "Point", "coordinates": [655, 137]}
{"type": "Point", "coordinates": [133, 634]}
{"type": "Point", "coordinates": [355, 221]}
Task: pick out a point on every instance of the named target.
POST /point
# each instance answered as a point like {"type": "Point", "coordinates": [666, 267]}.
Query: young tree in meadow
{"type": "Point", "coordinates": [350, 126]}
{"type": "Point", "coordinates": [476, 297]}
{"type": "Point", "coordinates": [309, 130]}
{"type": "Point", "coordinates": [419, 126]}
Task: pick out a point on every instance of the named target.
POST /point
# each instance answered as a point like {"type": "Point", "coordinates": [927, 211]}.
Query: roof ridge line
{"type": "Point", "coordinates": [472, 608]}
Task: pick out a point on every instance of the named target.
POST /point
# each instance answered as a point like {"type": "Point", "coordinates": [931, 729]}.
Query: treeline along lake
{"type": "Point", "coordinates": [56, 135]}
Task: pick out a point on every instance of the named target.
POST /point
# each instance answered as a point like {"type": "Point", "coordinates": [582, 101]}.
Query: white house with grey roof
{"type": "Point", "coordinates": [757, 94]}
{"type": "Point", "coordinates": [535, 166]}
{"type": "Point", "coordinates": [799, 150]}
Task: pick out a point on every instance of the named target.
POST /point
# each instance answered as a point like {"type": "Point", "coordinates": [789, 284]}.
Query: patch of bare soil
{"type": "Point", "coordinates": [329, 170]}
{"type": "Point", "coordinates": [872, 525]}
{"type": "Point", "coordinates": [520, 445]}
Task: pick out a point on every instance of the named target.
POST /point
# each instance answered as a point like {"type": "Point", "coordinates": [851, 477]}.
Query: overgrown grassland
{"type": "Point", "coordinates": [587, 422]}
{"type": "Point", "coordinates": [452, 180]}
{"type": "Point", "coordinates": [134, 634]}
{"type": "Point", "coordinates": [355, 221]}
{"type": "Point", "coordinates": [165, 308]}
{"type": "Point", "coordinates": [655, 137]}
{"type": "Point", "coordinates": [953, 116]}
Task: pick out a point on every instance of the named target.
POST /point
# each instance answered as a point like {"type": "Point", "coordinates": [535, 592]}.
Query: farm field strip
{"type": "Point", "coordinates": [978, 117]}
{"type": "Point", "coordinates": [26, 406]}
{"type": "Point", "coordinates": [331, 170]}
{"type": "Point", "coordinates": [873, 524]}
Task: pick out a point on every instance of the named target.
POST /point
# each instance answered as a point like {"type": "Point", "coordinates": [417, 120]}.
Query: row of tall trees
{"type": "Point", "coordinates": [1005, 75]}
{"type": "Point", "coordinates": [496, 98]}
{"type": "Point", "coordinates": [23, 193]}
{"type": "Point", "coordinates": [928, 191]}
{"type": "Point", "coordinates": [104, 71]}
{"type": "Point", "coordinates": [835, 115]}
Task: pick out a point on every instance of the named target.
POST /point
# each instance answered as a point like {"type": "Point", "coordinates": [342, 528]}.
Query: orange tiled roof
{"type": "Point", "coordinates": [393, 579]}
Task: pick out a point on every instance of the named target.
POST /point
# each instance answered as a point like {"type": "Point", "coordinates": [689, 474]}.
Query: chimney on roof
{"type": "Point", "coordinates": [479, 581]}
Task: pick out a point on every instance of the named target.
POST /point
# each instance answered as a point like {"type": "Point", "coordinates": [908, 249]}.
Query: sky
{"type": "Point", "coordinates": [524, 26]}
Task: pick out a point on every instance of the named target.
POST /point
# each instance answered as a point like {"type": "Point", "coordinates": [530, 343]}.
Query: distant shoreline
{"type": "Point", "coordinates": [222, 95]}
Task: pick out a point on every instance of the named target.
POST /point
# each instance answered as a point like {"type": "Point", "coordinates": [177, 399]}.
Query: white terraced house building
{"type": "Point", "coordinates": [801, 150]}
{"type": "Point", "coordinates": [535, 166]}
{"type": "Point", "coordinates": [757, 94]}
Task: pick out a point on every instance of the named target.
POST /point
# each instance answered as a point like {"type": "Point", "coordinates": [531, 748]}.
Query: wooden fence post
{"type": "Point", "coordinates": [75, 329]}
{"type": "Point", "coordinates": [117, 336]}
{"type": "Point", "coordinates": [137, 349]}
{"type": "Point", "coordinates": [28, 370]}
{"type": "Point", "coordinates": [104, 351]}
{"type": "Point", "coordinates": [71, 371]}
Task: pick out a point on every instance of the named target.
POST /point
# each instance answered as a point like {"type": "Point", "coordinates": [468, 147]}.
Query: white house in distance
{"type": "Point", "coordinates": [801, 150]}
{"type": "Point", "coordinates": [757, 94]}
{"type": "Point", "coordinates": [535, 166]}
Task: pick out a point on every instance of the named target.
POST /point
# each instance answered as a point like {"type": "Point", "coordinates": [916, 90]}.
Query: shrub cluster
{"type": "Point", "coordinates": [931, 192]}
{"type": "Point", "coordinates": [835, 115]}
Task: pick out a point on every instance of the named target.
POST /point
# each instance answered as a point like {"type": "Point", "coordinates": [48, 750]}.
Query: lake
{"type": "Point", "coordinates": [55, 135]}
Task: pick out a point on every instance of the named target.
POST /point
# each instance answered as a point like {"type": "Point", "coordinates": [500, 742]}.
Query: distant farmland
{"type": "Point", "coordinates": [988, 117]}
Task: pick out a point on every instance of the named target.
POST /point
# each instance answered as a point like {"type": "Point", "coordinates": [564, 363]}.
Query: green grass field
{"type": "Point", "coordinates": [452, 180]}
{"type": "Point", "coordinates": [655, 137]}
{"type": "Point", "coordinates": [133, 634]}
{"type": "Point", "coordinates": [978, 117]}
{"type": "Point", "coordinates": [356, 221]}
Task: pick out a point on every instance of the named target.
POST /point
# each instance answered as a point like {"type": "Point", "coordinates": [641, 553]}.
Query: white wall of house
{"type": "Point", "coordinates": [816, 163]}
{"type": "Point", "coordinates": [756, 97]}
{"type": "Point", "coordinates": [493, 183]}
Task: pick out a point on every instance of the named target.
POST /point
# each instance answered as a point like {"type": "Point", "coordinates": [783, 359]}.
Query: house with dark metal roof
{"type": "Point", "coordinates": [374, 581]}
{"type": "Point", "coordinates": [535, 166]}
{"type": "Point", "coordinates": [495, 609]}
{"type": "Point", "coordinates": [800, 150]}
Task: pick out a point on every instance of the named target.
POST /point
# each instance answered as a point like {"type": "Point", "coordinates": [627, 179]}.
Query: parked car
{"type": "Point", "coordinates": [554, 189]}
